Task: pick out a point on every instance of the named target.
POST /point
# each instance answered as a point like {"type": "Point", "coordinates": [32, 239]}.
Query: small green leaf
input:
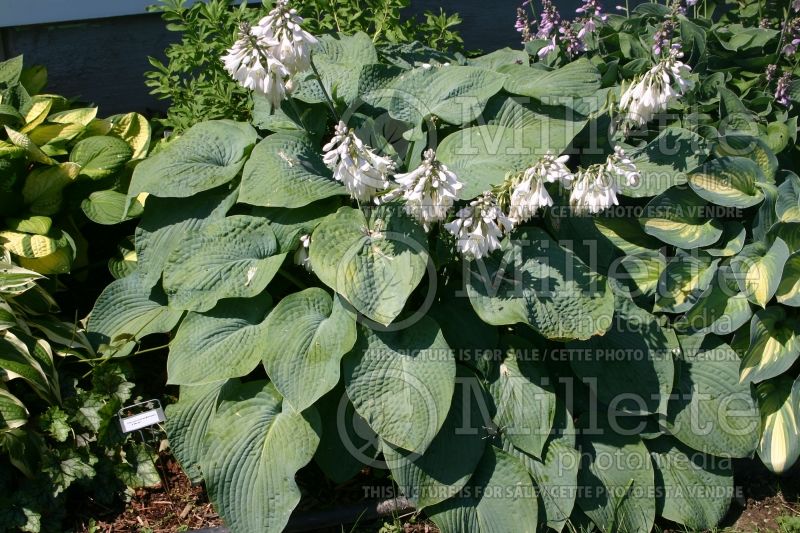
{"type": "Point", "coordinates": [100, 156]}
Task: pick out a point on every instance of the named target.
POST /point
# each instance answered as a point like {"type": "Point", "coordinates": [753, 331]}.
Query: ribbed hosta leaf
{"type": "Point", "coordinates": [696, 489]}
{"type": "Point", "coordinates": [255, 445]}
{"type": "Point", "coordinates": [720, 310]}
{"type": "Point", "coordinates": [616, 478]}
{"type": "Point", "coordinates": [758, 269]}
{"type": "Point", "coordinates": [686, 277]}
{"type": "Point", "coordinates": [498, 498]}
{"type": "Point", "coordinates": [553, 87]}
{"type": "Point", "coordinates": [752, 148]}
{"type": "Point", "coordinates": [286, 170]}
{"type": "Point", "coordinates": [225, 342]}
{"type": "Point", "coordinates": [438, 474]}
{"type": "Point", "coordinates": [187, 422]}
{"type": "Point", "coordinates": [787, 206]}
{"type": "Point", "coordinates": [234, 257]}
{"type": "Point", "coordinates": [524, 400]}
{"type": "Point", "coordinates": [127, 311]}
{"type": "Point", "coordinates": [779, 403]}
{"type": "Point", "coordinates": [710, 410]}
{"type": "Point", "coordinates": [678, 217]}
{"type": "Point", "coordinates": [316, 331]}
{"type": "Point", "coordinates": [774, 345]}
{"type": "Point", "coordinates": [543, 285]}
{"type": "Point", "coordinates": [401, 382]}
{"type": "Point", "coordinates": [731, 242]}
{"type": "Point", "coordinates": [100, 156]}
{"type": "Point", "coordinates": [206, 156]}
{"type": "Point", "coordinates": [638, 377]}
{"type": "Point", "coordinates": [375, 265]}
{"type": "Point", "coordinates": [788, 292]}
{"type": "Point", "coordinates": [729, 181]}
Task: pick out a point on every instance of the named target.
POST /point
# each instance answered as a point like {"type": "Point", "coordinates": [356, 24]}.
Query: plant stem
{"type": "Point", "coordinates": [328, 99]}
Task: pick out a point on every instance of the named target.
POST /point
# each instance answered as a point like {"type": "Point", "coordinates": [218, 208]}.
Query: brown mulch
{"type": "Point", "coordinates": [172, 507]}
{"type": "Point", "coordinates": [765, 497]}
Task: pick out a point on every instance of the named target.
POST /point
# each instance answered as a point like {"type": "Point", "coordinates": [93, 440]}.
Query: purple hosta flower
{"type": "Point", "coordinates": [796, 5]}
{"type": "Point", "coordinates": [591, 12]}
{"type": "Point", "coordinates": [691, 3]}
{"type": "Point", "coordinates": [573, 44]}
{"type": "Point", "coordinates": [429, 190]}
{"type": "Point", "coordinates": [528, 193]}
{"type": "Point", "coordinates": [363, 172]}
{"type": "Point", "coordinates": [652, 94]}
{"type": "Point", "coordinates": [662, 37]}
{"type": "Point", "coordinates": [596, 187]}
{"type": "Point", "coordinates": [548, 20]}
{"type": "Point", "coordinates": [792, 33]}
{"type": "Point", "coordinates": [782, 89]}
{"type": "Point", "coordinates": [479, 227]}
{"type": "Point", "coordinates": [770, 72]}
{"type": "Point", "coordinates": [549, 47]}
{"type": "Point", "coordinates": [523, 25]}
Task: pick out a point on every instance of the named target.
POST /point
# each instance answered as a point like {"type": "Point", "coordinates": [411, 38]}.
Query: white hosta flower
{"type": "Point", "coordinates": [429, 190]}
{"type": "Point", "coordinates": [301, 256]}
{"type": "Point", "coordinates": [529, 194]}
{"type": "Point", "coordinates": [249, 62]}
{"type": "Point", "coordinates": [363, 172]}
{"type": "Point", "coordinates": [479, 227]}
{"type": "Point", "coordinates": [292, 44]}
{"type": "Point", "coordinates": [596, 187]}
{"type": "Point", "coordinates": [651, 94]}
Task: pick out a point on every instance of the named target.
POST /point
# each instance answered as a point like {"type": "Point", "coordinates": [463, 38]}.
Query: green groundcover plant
{"type": "Point", "coordinates": [541, 287]}
{"type": "Point", "coordinates": [61, 169]}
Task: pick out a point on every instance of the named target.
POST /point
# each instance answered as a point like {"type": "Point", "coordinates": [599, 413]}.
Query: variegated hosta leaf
{"type": "Point", "coordinates": [679, 217]}
{"type": "Point", "coordinates": [788, 292]}
{"type": "Point", "coordinates": [438, 474]}
{"type": "Point", "coordinates": [225, 342]}
{"type": "Point", "coordinates": [401, 382]}
{"type": "Point", "coordinates": [638, 376]}
{"type": "Point", "coordinates": [15, 279]}
{"type": "Point", "coordinates": [498, 498]}
{"type": "Point", "coordinates": [33, 152]}
{"type": "Point", "coordinates": [187, 423]}
{"type": "Point", "coordinates": [752, 148]}
{"type": "Point", "coordinates": [43, 187]}
{"type": "Point", "coordinates": [207, 155]}
{"type": "Point", "coordinates": [686, 277]}
{"type": "Point", "coordinates": [779, 402]}
{"type": "Point", "coordinates": [82, 116]}
{"type": "Point", "coordinates": [696, 489]}
{"type": "Point", "coordinates": [720, 310]}
{"type": "Point", "coordinates": [617, 482]}
{"type": "Point", "coordinates": [18, 359]}
{"type": "Point", "coordinates": [774, 345]}
{"type": "Point", "coordinates": [524, 399]}
{"type": "Point", "coordinates": [286, 170]}
{"type": "Point", "coordinates": [100, 156]}
{"type": "Point", "coordinates": [13, 413]}
{"type": "Point", "coordinates": [233, 257]}
{"type": "Point", "coordinates": [787, 206]}
{"type": "Point", "coordinates": [126, 311]}
{"type": "Point", "coordinates": [255, 444]}
{"type": "Point", "coordinates": [556, 473]}
{"type": "Point", "coordinates": [316, 331]}
{"type": "Point", "coordinates": [758, 269]}
{"type": "Point", "coordinates": [375, 265]}
{"type": "Point", "coordinates": [709, 409]}
{"type": "Point", "coordinates": [134, 129]}
{"type": "Point", "coordinates": [731, 242]}
{"type": "Point", "coordinates": [728, 181]}
{"type": "Point", "coordinates": [535, 281]}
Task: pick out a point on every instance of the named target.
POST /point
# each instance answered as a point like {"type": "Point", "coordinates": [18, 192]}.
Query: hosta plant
{"type": "Point", "coordinates": [518, 285]}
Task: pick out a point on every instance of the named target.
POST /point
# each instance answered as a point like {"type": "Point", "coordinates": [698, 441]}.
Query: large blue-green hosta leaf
{"type": "Point", "coordinates": [402, 382]}
{"type": "Point", "coordinates": [638, 374]}
{"type": "Point", "coordinates": [225, 342]}
{"type": "Point", "coordinates": [679, 217]}
{"type": "Point", "coordinates": [534, 281]}
{"type": "Point", "coordinates": [255, 444]}
{"type": "Point", "coordinates": [315, 331]}
{"type": "Point", "coordinates": [779, 403]}
{"type": "Point", "coordinates": [554, 87]}
{"type": "Point", "coordinates": [729, 182]}
{"type": "Point", "coordinates": [206, 156]}
{"type": "Point", "coordinates": [710, 410]}
{"type": "Point", "coordinates": [524, 399]}
{"type": "Point", "coordinates": [617, 482]}
{"type": "Point", "coordinates": [439, 473]}
{"type": "Point", "coordinates": [233, 257]}
{"type": "Point", "coordinates": [286, 170]}
{"type": "Point", "coordinates": [695, 489]}
{"type": "Point", "coordinates": [375, 265]}
{"type": "Point", "coordinates": [497, 499]}
{"type": "Point", "coordinates": [128, 310]}
{"type": "Point", "coordinates": [774, 345]}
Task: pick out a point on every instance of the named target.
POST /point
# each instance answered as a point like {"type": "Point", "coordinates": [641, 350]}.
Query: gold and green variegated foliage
{"type": "Point", "coordinates": [60, 166]}
{"type": "Point", "coordinates": [304, 325]}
